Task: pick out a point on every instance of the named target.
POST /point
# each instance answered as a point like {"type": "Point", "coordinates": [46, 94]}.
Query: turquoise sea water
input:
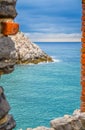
{"type": "Point", "coordinates": [40, 93]}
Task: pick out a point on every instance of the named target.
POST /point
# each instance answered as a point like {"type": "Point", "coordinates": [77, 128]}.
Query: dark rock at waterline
{"type": "Point", "coordinates": [9, 124]}
{"type": "Point", "coordinates": [6, 68]}
{"type": "Point", "coordinates": [18, 49]}
{"type": "Point", "coordinates": [7, 9]}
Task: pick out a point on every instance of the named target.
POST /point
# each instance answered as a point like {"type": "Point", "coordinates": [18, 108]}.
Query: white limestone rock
{"type": "Point", "coordinates": [28, 52]}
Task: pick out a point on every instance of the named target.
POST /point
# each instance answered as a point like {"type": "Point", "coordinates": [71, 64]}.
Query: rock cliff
{"type": "Point", "coordinates": [28, 52]}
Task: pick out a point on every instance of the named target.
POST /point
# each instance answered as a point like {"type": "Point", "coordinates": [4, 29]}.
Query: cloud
{"type": "Point", "coordinates": [49, 16]}
{"type": "Point", "coordinates": [61, 37]}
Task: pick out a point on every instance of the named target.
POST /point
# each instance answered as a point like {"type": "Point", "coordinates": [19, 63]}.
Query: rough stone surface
{"type": "Point", "coordinates": [29, 129]}
{"type": "Point", "coordinates": [7, 55]}
{"type": "Point", "coordinates": [18, 49]}
{"type": "Point", "coordinates": [7, 48]}
{"type": "Point", "coordinates": [76, 121]}
{"type": "Point", "coordinates": [7, 9]}
{"type": "Point", "coordinates": [9, 124]}
{"type": "Point", "coordinates": [6, 121]}
{"type": "Point", "coordinates": [7, 59]}
{"type": "Point", "coordinates": [6, 68]}
{"type": "Point", "coordinates": [40, 128]}
{"type": "Point", "coordinates": [12, 2]}
{"type": "Point", "coordinates": [4, 105]}
{"type": "Point", "coordinates": [28, 52]}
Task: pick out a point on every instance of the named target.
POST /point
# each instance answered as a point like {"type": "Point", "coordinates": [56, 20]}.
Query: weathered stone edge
{"type": "Point", "coordinates": [35, 61]}
{"type": "Point", "coordinates": [68, 122]}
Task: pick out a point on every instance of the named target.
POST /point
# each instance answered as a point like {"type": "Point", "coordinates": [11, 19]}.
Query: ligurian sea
{"type": "Point", "coordinates": [42, 92]}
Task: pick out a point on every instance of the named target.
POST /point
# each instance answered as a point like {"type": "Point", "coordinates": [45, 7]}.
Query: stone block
{"type": "Point", "coordinates": [68, 122]}
{"type": "Point", "coordinates": [83, 88]}
{"type": "Point", "coordinates": [83, 67]}
{"type": "Point", "coordinates": [76, 125]}
{"type": "Point", "coordinates": [83, 72]}
{"type": "Point", "coordinates": [83, 12]}
{"type": "Point", "coordinates": [83, 6]}
{"type": "Point", "coordinates": [4, 105]}
{"type": "Point", "coordinates": [83, 23]}
{"type": "Point", "coordinates": [83, 84]}
{"type": "Point", "coordinates": [83, 18]}
{"type": "Point", "coordinates": [83, 40]}
{"type": "Point", "coordinates": [29, 129]}
{"type": "Point", "coordinates": [9, 28]}
{"type": "Point", "coordinates": [6, 68]}
{"type": "Point", "coordinates": [59, 124]}
{"type": "Point", "coordinates": [83, 60]}
{"type": "Point", "coordinates": [83, 55]}
{"type": "Point", "coordinates": [83, 79]}
{"type": "Point", "coordinates": [43, 128]}
{"type": "Point", "coordinates": [7, 55]}
{"type": "Point", "coordinates": [83, 121]}
{"type": "Point", "coordinates": [67, 126]}
{"type": "Point", "coordinates": [83, 28]}
{"type": "Point", "coordinates": [10, 2]}
{"type": "Point", "coordinates": [83, 45]}
{"type": "Point", "coordinates": [82, 109]}
{"type": "Point", "coordinates": [83, 93]}
{"type": "Point", "coordinates": [83, 1]}
{"type": "Point", "coordinates": [7, 9]}
{"type": "Point", "coordinates": [9, 124]}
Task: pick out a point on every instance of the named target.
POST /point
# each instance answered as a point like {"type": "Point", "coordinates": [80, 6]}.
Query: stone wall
{"type": "Point", "coordinates": [7, 56]}
{"type": "Point", "coordinates": [7, 27]}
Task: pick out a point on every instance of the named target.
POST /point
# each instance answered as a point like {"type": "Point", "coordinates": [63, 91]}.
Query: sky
{"type": "Point", "coordinates": [50, 20]}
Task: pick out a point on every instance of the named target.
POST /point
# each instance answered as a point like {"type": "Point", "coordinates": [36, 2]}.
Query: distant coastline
{"type": "Point", "coordinates": [57, 37]}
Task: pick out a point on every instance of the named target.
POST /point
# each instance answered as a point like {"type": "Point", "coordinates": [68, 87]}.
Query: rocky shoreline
{"type": "Point", "coordinates": [27, 52]}
{"type": "Point", "coordinates": [68, 122]}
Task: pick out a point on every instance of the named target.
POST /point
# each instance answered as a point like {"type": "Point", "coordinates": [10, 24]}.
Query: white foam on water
{"type": "Point", "coordinates": [56, 60]}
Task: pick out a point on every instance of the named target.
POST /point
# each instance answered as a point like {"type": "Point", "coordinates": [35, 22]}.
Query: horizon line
{"type": "Point", "coordinates": [54, 37]}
